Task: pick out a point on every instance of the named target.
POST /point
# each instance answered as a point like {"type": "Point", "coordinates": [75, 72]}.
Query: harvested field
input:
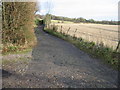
{"type": "Point", "coordinates": [98, 33]}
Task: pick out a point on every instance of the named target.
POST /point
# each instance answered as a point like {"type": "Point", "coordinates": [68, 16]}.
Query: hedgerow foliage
{"type": "Point", "coordinates": [17, 25]}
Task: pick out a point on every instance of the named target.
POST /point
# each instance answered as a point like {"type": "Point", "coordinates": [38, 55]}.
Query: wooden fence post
{"type": "Point", "coordinates": [68, 30]}
{"type": "Point", "coordinates": [74, 33]}
{"type": "Point", "coordinates": [61, 29]}
{"type": "Point", "coordinates": [118, 45]}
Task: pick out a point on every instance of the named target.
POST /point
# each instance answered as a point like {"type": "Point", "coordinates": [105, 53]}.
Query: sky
{"type": "Point", "coordinates": [88, 9]}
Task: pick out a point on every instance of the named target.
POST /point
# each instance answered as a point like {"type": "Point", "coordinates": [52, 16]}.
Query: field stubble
{"type": "Point", "coordinates": [98, 33]}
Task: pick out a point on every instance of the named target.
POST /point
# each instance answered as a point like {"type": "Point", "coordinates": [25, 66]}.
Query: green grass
{"type": "Point", "coordinates": [60, 21]}
{"type": "Point", "coordinates": [18, 51]}
{"type": "Point", "coordinates": [13, 61]}
{"type": "Point", "coordinates": [107, 55]}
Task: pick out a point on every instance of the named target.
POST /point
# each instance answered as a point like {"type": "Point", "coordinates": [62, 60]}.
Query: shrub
{"type": "Point", "coordinates": [17, 24]}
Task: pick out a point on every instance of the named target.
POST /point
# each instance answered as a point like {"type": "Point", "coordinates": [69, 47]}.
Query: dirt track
{"type": "Point", "coordinates": [57, 63]}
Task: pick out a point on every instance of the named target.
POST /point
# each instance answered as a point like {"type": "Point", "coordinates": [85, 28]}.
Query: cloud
{"type": "Point", "coordinates": [96, 9]}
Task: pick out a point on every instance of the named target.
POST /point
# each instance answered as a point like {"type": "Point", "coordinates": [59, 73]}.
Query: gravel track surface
{"type": "Point", "coordinates": [56, 63]}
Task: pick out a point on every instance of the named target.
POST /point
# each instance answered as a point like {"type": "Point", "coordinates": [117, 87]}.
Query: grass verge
{"type": "Point", "coordinates": [13, 61]}
{"type": "Point", "coordinates": [108, 55]}
{"type": "Point", "coordinates": [18, 51]}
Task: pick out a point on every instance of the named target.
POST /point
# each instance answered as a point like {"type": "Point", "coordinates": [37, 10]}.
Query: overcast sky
{"type": "Point", "coordinates": [89, 9]}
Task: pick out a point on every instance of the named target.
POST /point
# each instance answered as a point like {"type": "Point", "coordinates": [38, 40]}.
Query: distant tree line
{"type": "Point", "coordinates": [79, 20]}
{"type": "Point", "coordinates": [83, 20]}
